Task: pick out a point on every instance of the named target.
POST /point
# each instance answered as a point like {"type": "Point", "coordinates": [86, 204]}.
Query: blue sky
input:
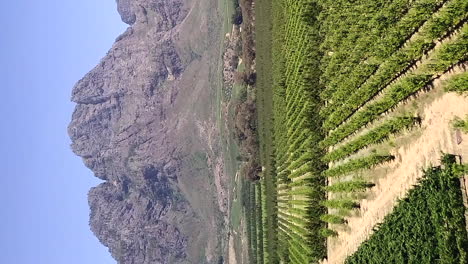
{"type": "Point", "coordinates": [46, 46]}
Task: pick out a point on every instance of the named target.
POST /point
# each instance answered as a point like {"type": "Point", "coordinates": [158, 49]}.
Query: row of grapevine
{"type": "Point", "coordinates": [296, 121]}
{"type": "Point", "coordinates": [392, 25]}
{"type": "Point", "coordinates": [255, 221]}
{"type": "Point", "coordinates": [457, 83]}
{"type": "Point", "coordinates": [253, 224]}
{"type": "Point", "coordinates": [380, 48]}
{"type": "Point", "coordinates": [447, 55]}
{"type": "Point", "coordinates": [363, 163]}
{"type": "Point", "coordinates": [368, 70]}
{"type": "Point", "coordinates": [374, 136]}
{"type": "Point", "coordinates": [424, 40]}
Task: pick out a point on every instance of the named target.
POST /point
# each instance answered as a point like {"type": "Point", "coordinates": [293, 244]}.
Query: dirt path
{"type": "Point", "coordinates": [232, 251]}
{"type": "Point", "coordinates": [437, 136]}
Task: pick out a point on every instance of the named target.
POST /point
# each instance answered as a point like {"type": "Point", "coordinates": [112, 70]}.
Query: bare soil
{"type": "Point", "coordinates": [232, 251]}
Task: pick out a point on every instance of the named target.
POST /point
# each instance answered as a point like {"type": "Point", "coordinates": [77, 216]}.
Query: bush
{"type": "Point", "coordinates": [458, 83]}
{"type": "Point", "coordinates": [461, 124]}
{"type": "Point", "coordinates": [245, 132]}
{"type": "Point", "coordinates": [236, 18]}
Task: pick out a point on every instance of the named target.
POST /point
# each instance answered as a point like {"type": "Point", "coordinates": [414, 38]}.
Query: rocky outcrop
{"type": "Point", "coordinates": [125, 127]}
{"type": "Point", "coordinates": [165, 14]}
{"type": "Point", "coordinates": [135, 224]}
{"type": "Point", "coordinates": [232, 50]}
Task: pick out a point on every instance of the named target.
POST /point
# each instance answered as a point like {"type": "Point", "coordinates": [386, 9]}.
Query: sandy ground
{"type": "Point", "coordinates": [232, 251]}
{"type": "Point", "coordinates": [240, 253]}
{"type": "Point", "coordinates": [437, 136]}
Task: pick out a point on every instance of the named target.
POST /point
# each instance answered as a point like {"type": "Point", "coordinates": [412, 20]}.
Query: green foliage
{"type": "Point", "coordinates": [297, 125]}
{"type": "Point", "coordinates": [236, 18]}
{"type": "Point", "coordinates": [458, 83]}
{"type": "Point", "coordinates": [259, 222]}
{"type": "Point", "coordinates": [357, 164]}
{"type": "Point", "coordinates": [441, 59]}
{"type": "Point", "coordinates": [377, 47]}
{"type": "Point", "coordinates": [349, 186]}
{"type": "Point", "coordinates": [249, 209]}
{"type": "Point", "coordinates": [325, 232]}
{"type": "Point", "coordinates": [332, 69]}
{"type": "Point", "coordinates": [424, 40]}
{"type": "Point", "coordinates": [332, 219]}
{"type": "Point", "coordinates": [253, 224]}
{"type": "Point", "coordinates": [341, 204]}
{"type": "Point", "coordinates": [374, 136]}
{"type": "Point", "coordinates": [428, 226]}
{"type": "Point", "coordinates": [461, 124]}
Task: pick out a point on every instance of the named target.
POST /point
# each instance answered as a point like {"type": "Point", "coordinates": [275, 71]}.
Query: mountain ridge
{"type": "Point", "coordinates": [127, 126]}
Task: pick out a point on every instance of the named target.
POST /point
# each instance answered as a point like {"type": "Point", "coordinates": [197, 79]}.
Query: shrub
{"type": "Point", "coordinates": [236, 18]}
{"type": "Point", "coordinates": [458, 83]}
{"type": "Point", "coordinates": [461, 124]}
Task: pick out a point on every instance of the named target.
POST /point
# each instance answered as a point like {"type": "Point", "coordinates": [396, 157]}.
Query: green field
{"type": "Point", "coordinates": [331, 79]}
{"type": "Point", "coordinates": [265, 130]}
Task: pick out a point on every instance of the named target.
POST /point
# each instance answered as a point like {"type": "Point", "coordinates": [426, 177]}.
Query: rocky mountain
{"type": "Point", "coordinates": [139, 124]}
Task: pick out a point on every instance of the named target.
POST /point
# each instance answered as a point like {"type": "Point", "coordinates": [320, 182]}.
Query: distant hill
{"type": "Point", "coordinates": [138, 125]}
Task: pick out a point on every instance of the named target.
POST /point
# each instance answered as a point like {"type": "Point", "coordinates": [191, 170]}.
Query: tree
{"type": "Point", "coordinates": [236, 18]}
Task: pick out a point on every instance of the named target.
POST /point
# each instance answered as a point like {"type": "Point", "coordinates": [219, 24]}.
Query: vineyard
{"type": "Point", "coordinates": [342, 90]}
{"type": "Point", "coordinates": [425, 227]}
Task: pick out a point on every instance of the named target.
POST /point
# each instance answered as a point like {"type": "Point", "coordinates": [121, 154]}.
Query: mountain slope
{"type": "Point", "coordinates": [136, 126]}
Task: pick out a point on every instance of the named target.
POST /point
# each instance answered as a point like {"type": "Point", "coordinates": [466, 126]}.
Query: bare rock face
{"type": "Point", "coordinates": [135, 225]}
{"type": "Point", "coordinates": [126, 11]}
{"type": "Point", "coordinates": [126, 127]}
